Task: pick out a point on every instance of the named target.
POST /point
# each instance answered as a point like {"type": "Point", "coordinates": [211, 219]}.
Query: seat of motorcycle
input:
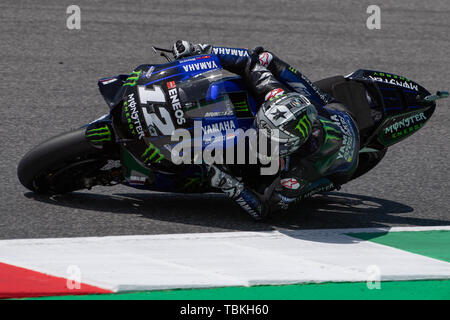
{"type": "Point", "coordinates": [352, 94]}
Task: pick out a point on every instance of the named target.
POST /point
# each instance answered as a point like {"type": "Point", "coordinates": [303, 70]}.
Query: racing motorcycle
{"type": "Point", "coordinates": [154, 99]}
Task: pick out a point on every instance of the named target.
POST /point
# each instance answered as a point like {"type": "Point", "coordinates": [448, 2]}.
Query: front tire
{"type": "Point", "coordinates": [60, 164]}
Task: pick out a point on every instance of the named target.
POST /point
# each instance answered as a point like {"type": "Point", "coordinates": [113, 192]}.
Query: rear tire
{"type": "Point", "coordinates": [59, 164]}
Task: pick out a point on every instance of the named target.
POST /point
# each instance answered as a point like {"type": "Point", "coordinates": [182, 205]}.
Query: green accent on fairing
{"type": "Point", "coordinates": [101, 140]}
{"type": "Point", "coordinates": [106, 132]}
{"type": "Point", "coordinates": [306, 124]}
{"type": "Point", "coordinates": [241, 106]}
{"type": "Point", "coordinates": [134, 76]}
{"type": "Point", "coordinates": [329, 150]}
{"type": "Point", "coordinates": [192, 182]}
{"type": "Point", "coordinates": [98, 134]}
{"type": "Point", "coordinates": [277, 97]}
{"type": "Point", "coordinates": [318, 189]}
{"type": "Point", "coordinates": [388, 75]}
{"type": "Point", "coordinates": [128, 117]}
{"type": "Point", "coordinates": [388, 140]}
{"type": "Point", "coordinates": [148, 158]}
{"type": "Point", "coordinates": [293, 70]}
{"type": "Point", "coordinates": [131, 164]}
{"type": "Point", "coordinates": [389, 290]}
{"type": "Point", "coordinates": [401, 134]}
{"type": "Point", "coordinates": [323, 164]}
{"type": "Point", "coordinates": [434, 244]}
{"type": "Point", "coordinates": [329, 130]}
{"type": "Point", "coordinates": [99, 129]}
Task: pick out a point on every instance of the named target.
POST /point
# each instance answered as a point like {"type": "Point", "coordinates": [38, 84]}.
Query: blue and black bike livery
{"type": "Point", "coordinates": [156, 99]}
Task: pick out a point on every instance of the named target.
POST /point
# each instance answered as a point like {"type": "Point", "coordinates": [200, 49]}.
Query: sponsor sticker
{"type": "Point", "coordinates": [219, 126]}
{"type": "Point", "coordinates": [171, 85]}
{"type": "Point", "coordinates": [400, 128]}
{"type": "Point", "coordinates": [290, 183]}
{"type": "Point", "coordinates": [265, 58]}
{"type": "Point", "coordinates": [200, 66]}
{"type": "Point", "coordinates": [396, 82]}
{"type": "Point", "coordinates": [108, 81]}
{"type": "Point", "coordinates": [230, 51]}
{"type": "Point", "coordinates": [202, 57]}
{"type": "Point", "coordinates": [273, 94]}
{"type": "Point", "coordinates": [405, 123]}
{"type": "Point", "coordinates": [175, 102]}
{"type": "Point", "coordinates": [132, 115]}
{"type": "Point", "coordinates": [348, 141]}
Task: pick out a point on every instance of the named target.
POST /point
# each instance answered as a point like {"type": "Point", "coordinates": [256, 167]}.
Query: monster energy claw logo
{"type": "Point", "coordinates": [131, 80]}
{"type": "Point", "coordinates": [99, 135]}
{"type": "Point", "coordinates": [149, 156]}
{"type": "Point", "coordinates": [304, 126]}
{"type": "Point", "coordinates": [330, 132]}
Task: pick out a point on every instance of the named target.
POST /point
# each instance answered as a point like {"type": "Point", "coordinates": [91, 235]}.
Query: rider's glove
{"type": "Point", "coordinates": [183, 48]}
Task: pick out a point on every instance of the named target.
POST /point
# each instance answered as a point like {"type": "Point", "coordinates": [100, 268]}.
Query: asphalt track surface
{"type": "Point", "coordinates": [49, 85]}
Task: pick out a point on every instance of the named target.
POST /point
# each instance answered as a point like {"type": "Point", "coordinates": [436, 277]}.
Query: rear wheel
{"type": "Point", "coordinates": [67, 163]}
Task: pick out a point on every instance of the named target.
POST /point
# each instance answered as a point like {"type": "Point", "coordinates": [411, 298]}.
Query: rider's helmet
{"type": "Point", "coordinates": [288, 121]}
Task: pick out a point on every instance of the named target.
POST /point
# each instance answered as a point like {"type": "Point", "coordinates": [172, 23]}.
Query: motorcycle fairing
{"type": "Point", "coordinates": [205, 95]}
{"type": "Point", "coordinates": [303, 86]}
{"type": "Point", "coordinates": [225, 103]}
{"type": "Point", "coordinates": [110, 89]}
{"type": "Point", "coordinates": [398, 127]}
{"type": "Point", "coordinates": [401, 99]}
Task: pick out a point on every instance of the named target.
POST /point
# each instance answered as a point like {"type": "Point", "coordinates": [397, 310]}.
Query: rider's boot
{"type": "Point", "coordinates": [249, 200]}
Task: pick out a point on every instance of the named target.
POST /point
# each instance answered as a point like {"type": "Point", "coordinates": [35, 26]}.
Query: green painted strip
{"type": "Point", "coordinates": [389, 290]}
{"type": "Point", "coordinates": [434, 244]}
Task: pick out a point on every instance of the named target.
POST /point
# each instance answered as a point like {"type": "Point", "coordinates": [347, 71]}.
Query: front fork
{"type": "Point", "coordinates": [100, 134]}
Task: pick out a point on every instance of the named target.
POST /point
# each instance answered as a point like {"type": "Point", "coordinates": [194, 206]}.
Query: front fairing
{"type": "Point", "coordinates": [158, 100]}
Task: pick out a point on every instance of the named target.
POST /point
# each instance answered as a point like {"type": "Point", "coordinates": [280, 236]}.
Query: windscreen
{"type": "Point", "coordinates": [204, 96]}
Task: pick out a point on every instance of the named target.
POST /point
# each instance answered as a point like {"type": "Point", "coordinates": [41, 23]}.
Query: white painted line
{"type": "Point", "coordinates": [238, 234]}
{"type": "Point", "coordinates": [124, 263]}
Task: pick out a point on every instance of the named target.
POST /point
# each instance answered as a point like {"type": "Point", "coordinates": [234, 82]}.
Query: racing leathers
{"type": "Point", "coordinates": [326, 153]}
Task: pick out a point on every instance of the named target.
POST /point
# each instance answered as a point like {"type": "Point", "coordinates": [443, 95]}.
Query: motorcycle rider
{"type": "Point", "coordinates": [319, 144]}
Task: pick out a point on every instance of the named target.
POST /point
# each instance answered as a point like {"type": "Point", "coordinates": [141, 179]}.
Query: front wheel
{"type": "Point", "coordinates": [66, 163]}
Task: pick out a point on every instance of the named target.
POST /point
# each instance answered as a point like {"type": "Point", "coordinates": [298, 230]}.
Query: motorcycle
{"type": "Point", "coordinates": [159, 98]}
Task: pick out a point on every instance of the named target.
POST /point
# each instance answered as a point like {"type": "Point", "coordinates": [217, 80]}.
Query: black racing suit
{"type": "Point", "coordinates": [326, 160]}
